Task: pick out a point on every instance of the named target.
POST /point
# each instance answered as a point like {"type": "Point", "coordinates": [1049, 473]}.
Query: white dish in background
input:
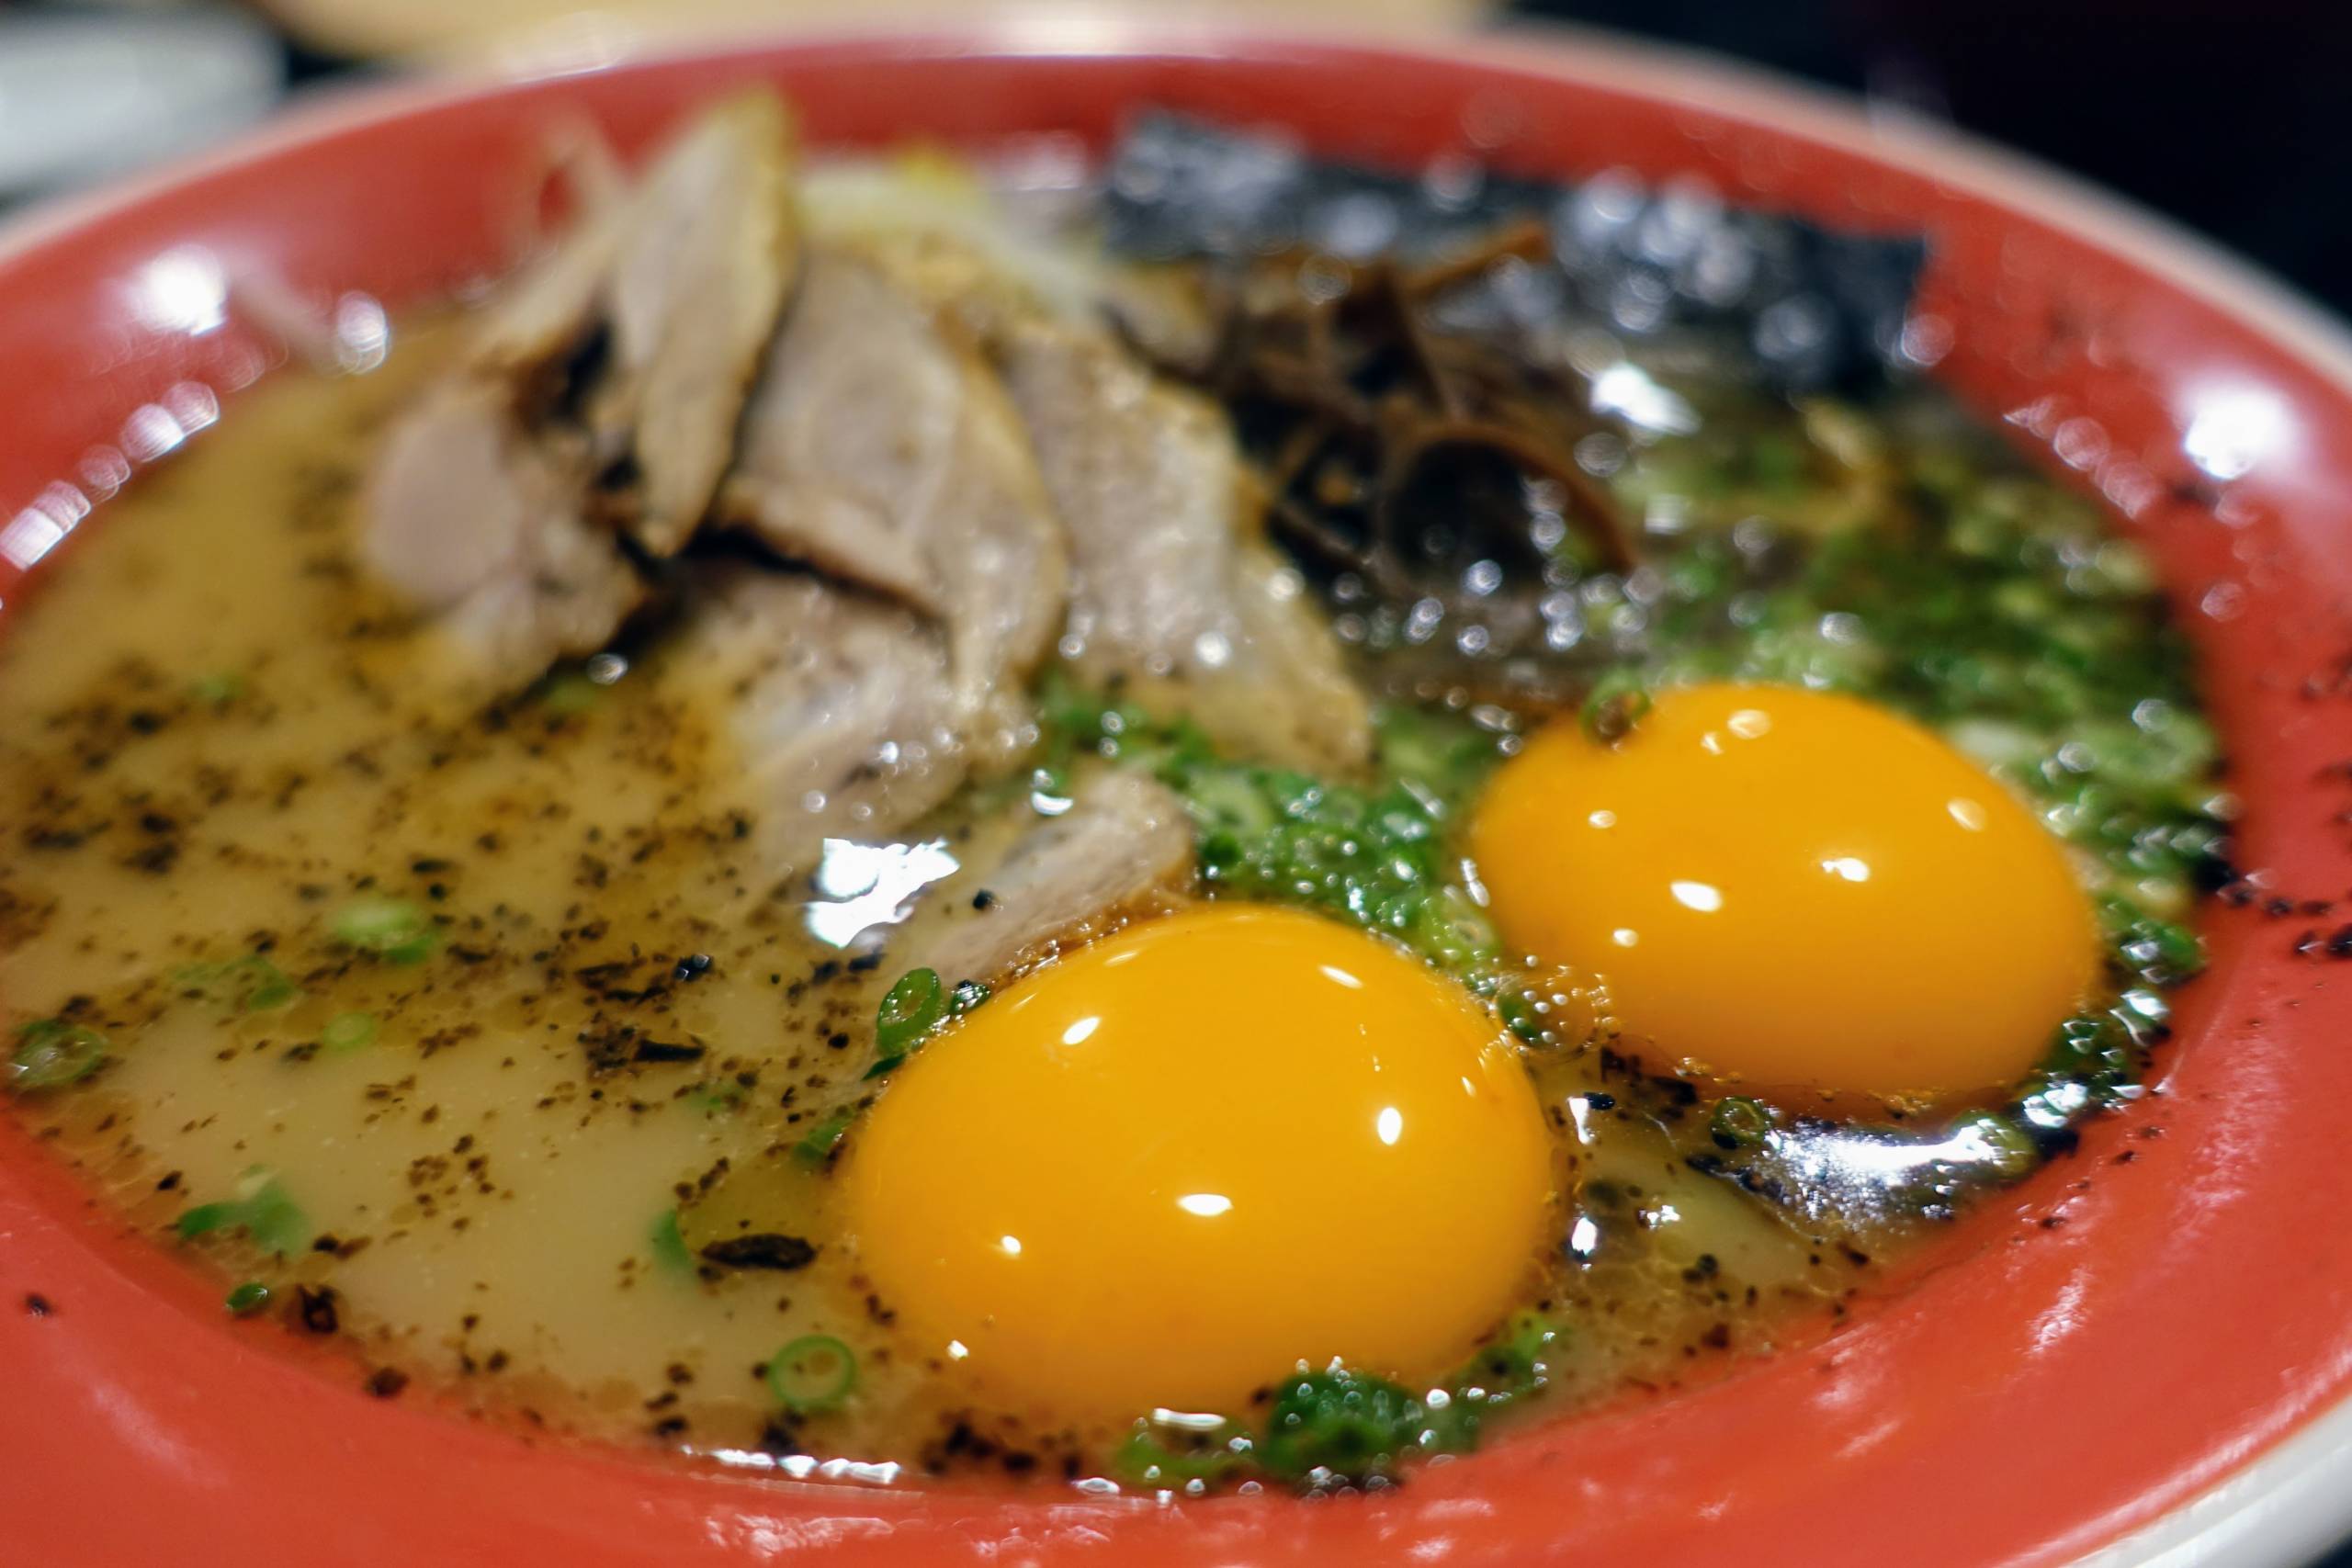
{"type": "Point", "coordinates": [85, 96]}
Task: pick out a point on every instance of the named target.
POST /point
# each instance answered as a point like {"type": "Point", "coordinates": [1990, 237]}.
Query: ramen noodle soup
{"type": "Point", "coordinates": [1218, 831]}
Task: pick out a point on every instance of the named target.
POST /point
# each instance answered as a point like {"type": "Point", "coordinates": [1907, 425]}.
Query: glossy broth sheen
{"type": "Point", "coordinates": [507, 1156]}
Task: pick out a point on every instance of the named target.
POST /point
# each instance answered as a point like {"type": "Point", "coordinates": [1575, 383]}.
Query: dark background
{"type": "Point", "coordinates": [2228, 115]}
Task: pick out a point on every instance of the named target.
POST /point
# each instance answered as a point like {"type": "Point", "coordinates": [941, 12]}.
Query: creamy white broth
{"type": "Point", "coordinates": [498, 1194]}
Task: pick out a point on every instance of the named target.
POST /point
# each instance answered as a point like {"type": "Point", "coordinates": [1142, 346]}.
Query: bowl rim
{"type": "Point", "coordinates": [2283, 1500]}
{"type": "Point", "coordinates": [1569, 51]}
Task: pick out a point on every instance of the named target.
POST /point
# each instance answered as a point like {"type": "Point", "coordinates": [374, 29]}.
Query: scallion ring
{"type": "Point", "coordinates": [393, 928]}
{"type": "Point", "coordinates": [348, 1031]}
{"type": "Point", "coordinates": [51, 1053]}
{"type": "Point", "coordinates": [910, 1009]}
{"type": "Point", "coordinates": [813, 1374]}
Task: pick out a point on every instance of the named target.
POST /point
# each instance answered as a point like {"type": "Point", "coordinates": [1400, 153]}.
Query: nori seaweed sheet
{"type": "Point", "coordinates": [1805, 307]}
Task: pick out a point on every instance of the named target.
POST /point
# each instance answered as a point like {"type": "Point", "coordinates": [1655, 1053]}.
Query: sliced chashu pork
{"type": "Point", "coordinates": [1124, 847]}
{"type": "Point", "coordinates": [695, 290]}
{"type": "Point", "coordinates": [479, 529]}
{"type": "Point", "coordinates": [844, 721]}
{"type": "Point", "coordinates": [684, 272]}
{"type": "Point", "coordinates": [476, 509]}
{"type": "Point", "coordinates": [879, 448]}
{"type": "Point", "coordinates": [1175, 594]}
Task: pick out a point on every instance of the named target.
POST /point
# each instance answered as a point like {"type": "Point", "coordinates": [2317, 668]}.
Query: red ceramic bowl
{"type": "Point", "coordinates": [2137, 1326]}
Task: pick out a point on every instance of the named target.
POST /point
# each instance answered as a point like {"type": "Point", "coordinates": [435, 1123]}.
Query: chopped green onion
{"type": "Point", "coordinates": [251, 983]}
{"type": "Point", "coordinates": [1340, 1425]}
{"type": "Point", "coordinates": [263, 987]}
{"type": "Point", "coordinates": [219, 688]}
{"type": "Point", "coordinates": [272, 994]}
{"type": "Point", "coordinates": [909, 1009]}
{"type": "Point", "coordinates": [1182, 1460]}
{"type": "Point", "coordinates": [1618, 701]}
{"type": "Point", "coordinates": [273, 1221]}
{"type": "Point", "coordinates": [1445, 752]}
{"type": "Point", "coordinates": [391, 929]}
{"type": "Point", "coordinates": [814, 1149]}
{"type": "Point", "coordinates": [348, 1031]}
{"type": "Point", "coordinates": [1740, 1123]}
{"type": "Point", "coordinates": [1233, 803]}
{"type": "Point", "coordinates": [670, 1244]}
{"type": "Point", "coordinates": [247, 1298]}
{"type": "Point", "coordinates": [1516, 1363]}
{"type": "Point", "coordinates": [51, 1053]}
{"type": "Point", "coordinates": [205, 1218]}
{"type": "Point", "coordinates": [1519, 1015]}
{"type": "Point", "coordinates": [2007, 1149]}
{"type": "Point", "coordinates": [812, 1374]}
{"type": "Point", "coordinates": [263, 1211]}
{"type": "Point", "coordinates": [2161, 952]}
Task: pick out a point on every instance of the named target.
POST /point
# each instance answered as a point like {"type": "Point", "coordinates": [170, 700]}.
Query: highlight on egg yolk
{"type": "Point", "coordinates": [1163, 1170]}
{"type": "Point", "coordinates": [1793, 889]}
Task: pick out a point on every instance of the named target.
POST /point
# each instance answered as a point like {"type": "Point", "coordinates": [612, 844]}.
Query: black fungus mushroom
{"type": "Point", "coordinates": [1398, 351]}
{"type": "Point", "coordinates": [1433, 472]}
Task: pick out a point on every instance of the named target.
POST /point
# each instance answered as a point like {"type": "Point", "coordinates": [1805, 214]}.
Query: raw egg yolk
{"type": "Point", "coordinates": [1792, 890]}
{"type": "Point", "coordinates": [1164, 1170]}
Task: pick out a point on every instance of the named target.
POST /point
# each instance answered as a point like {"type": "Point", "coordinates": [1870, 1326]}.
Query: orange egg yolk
{"type": "Point", "coordinates": [1791, 890]}
{"type": "Point", "coordinates": [1164, 1170]}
